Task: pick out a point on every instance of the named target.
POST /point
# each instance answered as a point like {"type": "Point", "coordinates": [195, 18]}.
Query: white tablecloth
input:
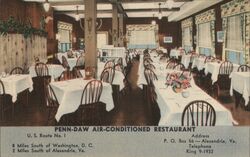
{"type": "Point", "coordinates": [15, 84]}
{"type": "Point", "coordinates": [175, 53]}
{"type": "Point", "coordinates": [55, 70]}
{"type": "Point", "coordinates": [118, 79]}
{"type": "Point", "coordinates": [172, 104]}
{"type": "Point", "coordinates": [69, 95]}
{"type": "Point", "coordinates": [240, 82]}
{"type": "Point", "coordinates": [185, 60]}
{"type": "Point", "coordinates": [214, 68]}
{"type": "Point", "coordinates": [72, 62]}
{"type": "Point", "coordinates": [199, 63]}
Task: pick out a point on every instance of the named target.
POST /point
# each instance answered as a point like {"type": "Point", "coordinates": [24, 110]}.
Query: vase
{"type": "Point", "coordinates": [185, 93]}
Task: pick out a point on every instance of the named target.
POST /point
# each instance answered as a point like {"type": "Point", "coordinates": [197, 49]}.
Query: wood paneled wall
{"type": "Point", "coordinates": [15, 50]}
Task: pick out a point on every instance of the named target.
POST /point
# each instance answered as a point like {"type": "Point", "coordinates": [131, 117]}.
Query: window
{"type": "Point", "coordinates": [65, 33]}
{"type": "Point", "coordinates": [204, 38]}
{"type": "Point", "coordinates": [187, 37]}
{"type": "Point", "coordinates": [102, 39]}
{"type": "Point", "coordinates": [234, 39]}
{"type": "Point", "coordinates": [142, 39]}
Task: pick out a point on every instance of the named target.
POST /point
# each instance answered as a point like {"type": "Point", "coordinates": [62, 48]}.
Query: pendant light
{"type": "Point", "coordinates": [160, 13]}
{"type": "Point", "coordinates": [77, 16]}
{"type": "Point", "coordinates": [153, 22]}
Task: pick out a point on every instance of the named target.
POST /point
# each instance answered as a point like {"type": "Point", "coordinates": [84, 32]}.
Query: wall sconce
{"type": "Point", "coordinates": [46, 5]}
{"type": "Point", "coordinates": [58, 36]}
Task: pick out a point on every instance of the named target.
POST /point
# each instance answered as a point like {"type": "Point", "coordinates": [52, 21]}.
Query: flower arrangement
{"type": "Point", "coordinates": [178, 81]}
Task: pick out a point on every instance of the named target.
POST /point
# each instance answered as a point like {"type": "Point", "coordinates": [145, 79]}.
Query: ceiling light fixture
{"type": "Point", "coordinates": [77, 16]}
{"type": "Point", "coordinates": [170, 4]}
{"type": "Point", "coordinates": [46, 5]}
{"type": "Point", "coordinates": [160, 13]}
{"type": "Point", "coordinates": [153, 22]}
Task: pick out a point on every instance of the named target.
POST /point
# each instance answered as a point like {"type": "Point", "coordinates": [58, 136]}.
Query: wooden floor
{"type": "Point", "coordinates": [131, 109]}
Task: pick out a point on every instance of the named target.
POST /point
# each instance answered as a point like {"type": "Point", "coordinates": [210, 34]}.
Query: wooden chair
{"type": "Point", "coordinates": [51, 104]}
{"type": "Point", "coordinates": [150, 76]}
{"type": "Point", "coordinates": [40, 81]}
{"type": "Point", "coordinates": [80, 63]}
{"type": "Point", "coordinates": [119, 67]}
{"type": "Point", "coordinates": [244, 68]}
{"type": "Point", "coordinates": [171, 64]}
{"type": "Point", "coordinates": [67, 75]}
{"type": "Point", "coordinates": [198, 113]}
{"type": "Point", "coordinates": [120, 61]}
{"type": "Point", "coordinates": [108, 75]}
{"type": "Point", "coordinates": [109, 64]}
{"type": "Point", "coordinates": [76, 72]}
{"type": "Point", "coordinates": [17, 70]}
{"type": "Point", "coordinates": [179, 66]}
{"type": "Point", "coordinates": [92, 92]}
{"type": "Point", "coordinates": [65, 63]}
{"type": "Point", "coordinates": [5, 103]}
{"type": "Point", "coordinates": [210, 59]}
{"type": "Point", "coordinates": [41, 69]}
{"type": "Point", "coordinates": [223, 82]}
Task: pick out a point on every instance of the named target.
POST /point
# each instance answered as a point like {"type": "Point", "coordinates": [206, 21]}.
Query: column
{"type": "Point", "coordinates": [114, 32]}
{"type": "Point", "coordinates": [90, 34]}
{"type": "Point", "coordinates": [121, 17]}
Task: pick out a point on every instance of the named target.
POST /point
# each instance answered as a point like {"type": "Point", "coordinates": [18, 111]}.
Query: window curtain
{"type": "Point", "coordinates": [187, 34]}
{"type": "Point", "coordinates": [205, 38]}
{"type": "Point", "coordinates": [206, 32]}
{"type": "Point", "coordinates": [236, 27]}
{"type": "Point", "coordinates": [234, 33]}
{"type": "Point", "coordinates": [142, 36]}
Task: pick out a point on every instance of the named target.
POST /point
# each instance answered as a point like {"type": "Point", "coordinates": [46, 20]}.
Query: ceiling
{"type": "Point", "coordinates": [134, 8]}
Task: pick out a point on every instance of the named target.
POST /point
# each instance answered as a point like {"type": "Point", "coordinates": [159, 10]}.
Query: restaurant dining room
{"type": "Point", "coordinates": [124, 63]}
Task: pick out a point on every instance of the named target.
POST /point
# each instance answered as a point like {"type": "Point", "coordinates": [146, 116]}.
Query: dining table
{"type": "Point", "coordinates": [199, 63]}
{"type": "Point", "coordinates": [214, 69]}
{"type": "Point", "coordinates": [55, 70]}
{"type": "Point", "coordinates": [172, 104]}
{"type": "Point", "coordinates": [240, 82]}
{"type": "Point", "coordinates": [15, 84]}
{"type": "Point", "coordinates": [68, 94]}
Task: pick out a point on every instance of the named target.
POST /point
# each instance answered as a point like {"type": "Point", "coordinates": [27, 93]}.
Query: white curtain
{"type": "Point", "coordinates": [187, 36]}
{"type": "Point", "coordinates": [142, 38]}
{"type": "Point", "coordinates": [204, 38]}
{"type": "Point", "coordinates": [234, 34]}
{"type": "Point", "coordinates": [64, 35]}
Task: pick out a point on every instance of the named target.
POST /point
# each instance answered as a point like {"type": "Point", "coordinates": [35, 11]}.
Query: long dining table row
{"type": "Point", "coordinates": [172, 104]}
